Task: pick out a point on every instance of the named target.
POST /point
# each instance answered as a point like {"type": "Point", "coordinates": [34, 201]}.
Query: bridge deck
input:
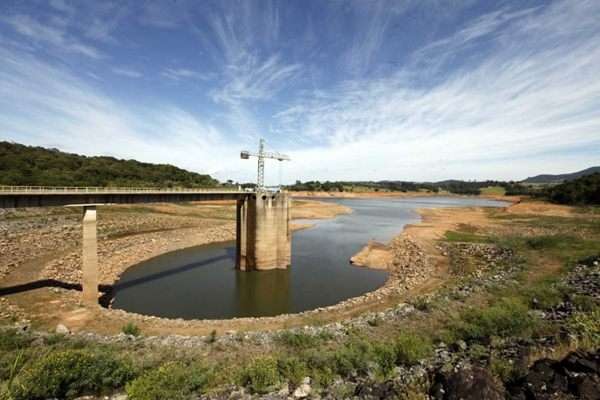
{"type": "Point", "coordinates": [38, 196]}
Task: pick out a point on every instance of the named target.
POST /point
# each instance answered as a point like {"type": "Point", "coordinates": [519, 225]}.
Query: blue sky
{"type": "Point", "coordinates": [353, 90]}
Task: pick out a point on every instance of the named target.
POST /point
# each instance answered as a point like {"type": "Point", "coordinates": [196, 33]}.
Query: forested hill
{"type": "Point", "coordinates": [37, 166]}
{"type": "Point", "coordinates": [561, 178]}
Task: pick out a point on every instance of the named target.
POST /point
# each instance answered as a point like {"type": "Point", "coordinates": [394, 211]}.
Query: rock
{"type": "Point", "coordinates": [284, 391]}
{"type": "Point", "coordinates": [471, 384]}
{"type": "Point", "coordinates": [302, 391]}
{"type": "Point", "coordinates": [385, 390]}
{"type": "Point", "coordinates": [461, 345]}
{"type": "Point", "coordinates": [62, 330]}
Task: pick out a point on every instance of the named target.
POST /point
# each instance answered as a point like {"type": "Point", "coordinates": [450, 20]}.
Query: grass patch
{"type": "Point", "coordinates": [468, 237]}
{"type": "Point", "coordinates": [493, 191]}
{"type": "Point", "coordinates": [174, 380]}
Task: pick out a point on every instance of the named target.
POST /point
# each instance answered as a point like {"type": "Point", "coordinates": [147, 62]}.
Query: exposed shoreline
{"type": "Point", "coordinates": [413, 260]}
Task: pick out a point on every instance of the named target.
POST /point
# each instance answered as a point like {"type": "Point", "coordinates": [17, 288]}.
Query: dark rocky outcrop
{"type": "Point", "coordinates": [467, 384]}
{"type": "Point", "coordinates": [577, 376]}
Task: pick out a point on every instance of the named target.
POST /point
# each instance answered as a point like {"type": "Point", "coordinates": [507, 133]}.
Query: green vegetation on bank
{"type": "Point", "coordinates": [37, 166]}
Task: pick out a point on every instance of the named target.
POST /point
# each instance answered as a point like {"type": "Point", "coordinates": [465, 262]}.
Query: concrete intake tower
{"type": "Point", "coordinates": [263, 232]}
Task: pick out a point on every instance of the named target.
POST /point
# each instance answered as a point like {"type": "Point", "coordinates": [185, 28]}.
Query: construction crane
{"type": "Point", "coordinates": [261, 155]}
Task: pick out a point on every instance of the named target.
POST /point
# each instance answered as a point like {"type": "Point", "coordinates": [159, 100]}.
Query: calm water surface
{"type": "Point", "coordinates": [201, 282]}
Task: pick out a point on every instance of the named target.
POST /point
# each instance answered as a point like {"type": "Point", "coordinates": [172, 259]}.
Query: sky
{"type": "Point", "coordinates": [418, 90]}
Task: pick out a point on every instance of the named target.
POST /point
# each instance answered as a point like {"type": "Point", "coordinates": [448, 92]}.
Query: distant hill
{"type": "Point", "coordinates": [561, 178]}
{"type": "Point", "coordinates": [38, 166]}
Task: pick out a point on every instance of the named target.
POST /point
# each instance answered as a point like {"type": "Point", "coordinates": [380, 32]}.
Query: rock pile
{"type": "Point", "coordinates": [577, 376]}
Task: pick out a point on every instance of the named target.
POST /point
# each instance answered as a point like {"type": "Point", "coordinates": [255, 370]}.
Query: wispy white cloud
{"type": "Point", "coordinates": [179, 74]}
{"type": "Point", "coordinates": [45, 105]}
{"type": "Point", "coordinates": [128, 72]}
{"type": "Point", "coordinates": [52, 35]}
{"type": "Point", "coordinates": [252, 79]}
{"type": "Point", "coordinates": [532, 96]}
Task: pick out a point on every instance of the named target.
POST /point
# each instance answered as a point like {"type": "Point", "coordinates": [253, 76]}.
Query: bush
{"type": "Point", "coordinates": [545, 295]}
{"type": "Point", "coordinates": [385, 356]}
{"type": "Point", "coordinates": [131, 329]}
{"type": "Point", "coordinates": [261, 375]}
{"type": "Point", "coordinates": [71, 373]}
{"type": "Point", "coordinates": [411, 348]}
{"type": "Point", "coordinates": [172, 381]}
{"type": "Point", "coordinates": [355, 356]}
{"type": "Point", "coordinates": [507, 317]}
{"type": "Point", "coordinates": [300, 340]}
{"type": "Point", "coordinates": [292, 369]}
{"type": "Point", "coordinates": [11, 339]}
{"type": "Point", "coordinates": [587, 327]}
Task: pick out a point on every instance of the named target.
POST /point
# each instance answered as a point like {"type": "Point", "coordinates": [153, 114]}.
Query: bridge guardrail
{"type": "Point", "coordinates": [97, 189]}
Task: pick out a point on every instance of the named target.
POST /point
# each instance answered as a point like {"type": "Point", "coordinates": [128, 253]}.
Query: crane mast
{"type": "Point", "coordinates": [261, 155]}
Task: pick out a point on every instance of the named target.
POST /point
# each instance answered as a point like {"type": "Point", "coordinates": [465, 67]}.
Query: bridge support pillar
{"type": "Point", "coordinates": [264, 239]}
{"type": "Point", "coordinates": [90, 274]}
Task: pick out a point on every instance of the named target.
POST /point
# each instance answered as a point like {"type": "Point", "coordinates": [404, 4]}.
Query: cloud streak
{"type": "Point", "coordinates": [353, 90]}
{"type": "Point", "coordinates": [534, 94]}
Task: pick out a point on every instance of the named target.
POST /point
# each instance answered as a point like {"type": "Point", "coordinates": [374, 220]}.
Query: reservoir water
{"type": "Point", "coordinates": [202, 283]}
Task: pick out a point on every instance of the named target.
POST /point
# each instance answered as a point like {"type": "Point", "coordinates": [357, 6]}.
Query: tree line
{"type": "Point", "coordinates": [451, 186]}
{"type": "Point", "coordinates": [38, 166]}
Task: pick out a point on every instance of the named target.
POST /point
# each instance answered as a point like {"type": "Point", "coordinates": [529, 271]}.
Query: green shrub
{"type": "Point", "coordinates": [354, 356]}
{"type": "Point", "coordinates": [508, 372]}
{"type": "Point", "coordinates": [131, 329]}
{"type": "Point", "coordinates": [301, 340]}
{"type": "Point", "coordinates": [260, 375]}
{"type": "Point", "coordinates": [292, 369]}
{"type": "Point", "coordinates": [321, 366]}
{"type": "Point", "coordinates": [545, 295]}
{"type": "Point", "coordinates": [411, 348]}
{"type": "Point", "coordinates": [70, 373]}
{"type": "Point", "coordinates": [586, 325]}
{"type": "Point", "coordinates": [584, 302]}
{"type": "Point", "coordinates": [385, 355]}
{"type": "Point", "coordinates": [212, 337]}
{"type": "Point", "coordinates": [174, 381]}
{"type": "Point", "coordinates": [507, 317]}
{"type": "Point", "coordinates": [11, 339]}
{"type": "Point", "coordinates": [422, 303]}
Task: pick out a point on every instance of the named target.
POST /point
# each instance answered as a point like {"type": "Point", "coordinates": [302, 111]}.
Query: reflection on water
{"type": "Point", "coordinates": [201, 282]}
{"type": "Point", "coordinates": [268, 290]}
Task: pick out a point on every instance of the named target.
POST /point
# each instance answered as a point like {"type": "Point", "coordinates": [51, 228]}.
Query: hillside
{"type": "Point", "coordinates": [547, 178]}
{"type": "Point", "coordinates": [37, 166]}
{"type": "Point", "coordinates": [581, 191]}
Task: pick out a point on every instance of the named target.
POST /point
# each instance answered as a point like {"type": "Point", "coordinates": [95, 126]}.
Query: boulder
{"type": "Point", "coordinates": [467, 384]}
{"type": "Point", "coordinates": [62, 330]}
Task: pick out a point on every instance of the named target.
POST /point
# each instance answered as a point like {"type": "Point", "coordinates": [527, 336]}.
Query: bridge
{"type": "Point", "coordinates": [263, 238]}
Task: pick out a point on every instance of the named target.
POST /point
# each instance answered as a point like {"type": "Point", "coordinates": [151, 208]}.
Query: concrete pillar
{"type": "Point", "coordinates": [90, 275]}
{"type": "Point", "coordinates": [264, 237]}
